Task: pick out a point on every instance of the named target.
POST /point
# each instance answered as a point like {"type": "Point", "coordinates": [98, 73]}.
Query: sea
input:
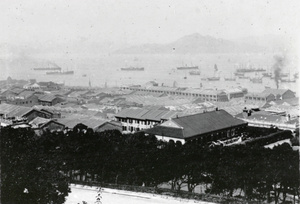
{"type": "Point", "coordinates": [104, 70]}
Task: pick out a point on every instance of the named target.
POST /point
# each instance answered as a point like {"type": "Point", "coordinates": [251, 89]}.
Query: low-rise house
{"type": "Point", "coordinates": [71, 121]}
{"type": "Point", "coordinates": [234, 93]}
{"type": "Point", "coordinates": [49, 86]}
{"type": "Point", "coordinates": [25, 98]}
{"type": "Point", "coordinates": [280, 94]}
{"type": "Point", "coordinates": [201, 127]}
{"type": "Point", "coordinates": [32, 86]}
{"type": "Point", "coordinates": [269, 119]}
{"type": "Point", "coordinates": [270, 95]}
{"type": "Point", "coordinates": [42, 124]}
{"type": "Point", "coordinates": [110, 125]}
{"type": "Point", "coordinates": [49, 100]}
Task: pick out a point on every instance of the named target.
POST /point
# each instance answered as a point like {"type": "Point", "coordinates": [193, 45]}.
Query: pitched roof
{"type": "Point", "coordinates": [197, 124]}
{"type": "Point", "coordinates": [13, 110]}
{"type": "Point", "coordinates": [25, 94]}
{"type": "Point", "coordinates": [147, 114]}
{"type": "Point", "coordinates": [72, 120]}
{"type": "Point", "coordinates": [38, 121]}
{"type": "Point", "coordinates": [275, 91]}
{"type": "Point", "coordinates": [47, 97]}
{"type": "Point", "coordinates": [165, 131]}
{"type": "Point", "coordinates": [202, 123]}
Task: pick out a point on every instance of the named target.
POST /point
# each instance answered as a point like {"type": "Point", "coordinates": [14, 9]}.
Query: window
{"type": "Point", "coordinates": [130, 120]}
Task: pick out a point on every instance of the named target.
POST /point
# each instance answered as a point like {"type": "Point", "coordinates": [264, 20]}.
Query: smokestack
{"type": "Point", "coordinates": [249, 112]}
{"type": "Point", "coordinates": [279, 63]}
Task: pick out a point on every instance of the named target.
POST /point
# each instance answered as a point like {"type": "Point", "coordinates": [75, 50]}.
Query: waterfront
{"type": "Point", "coordinates": [104, 70]}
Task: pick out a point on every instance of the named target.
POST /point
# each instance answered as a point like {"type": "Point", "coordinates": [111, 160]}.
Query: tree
{"type": "Point", "coordinates": [29, 175]}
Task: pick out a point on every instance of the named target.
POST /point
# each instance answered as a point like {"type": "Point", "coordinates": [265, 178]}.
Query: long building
{"type": "Point", "coordinates": [206, 94]}
{"type": "Point", "coordinates": [136, 119]}
{"type": "Point", "coordinates": [201, 128]}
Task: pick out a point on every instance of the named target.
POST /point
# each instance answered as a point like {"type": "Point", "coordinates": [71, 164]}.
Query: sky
{"type": "Point", "coordinates": [141, 21]}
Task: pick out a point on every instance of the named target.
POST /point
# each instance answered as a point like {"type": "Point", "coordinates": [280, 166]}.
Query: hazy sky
{"type": "Point", "coordinates": [140, 21]}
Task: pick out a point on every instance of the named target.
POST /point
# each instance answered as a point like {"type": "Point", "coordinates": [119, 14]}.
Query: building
{"type": "Point", "coordinates": [31, 86]}
{"type": "Point", "coordinates": [268, 119]}
{"type": "Point", "coordinates": [136, 119]}
{"type": "Point", "coordinates": [280, 94]}
{"type": "Point", "coordinates": [25, 98]}
{"type": "Point", "coordinates": [201, 128]}
{"type": "Point", "coordinates": [39, 125]}
{"type": "Point", "coordinates": [206, 94]}
{"type": "Point", "coordinates": [49, 100]}
{"type": "Point", "coordinates": [72, 120]}
{"type": "Point", "coordinates": [110, 125]}
{"type": "Point", "coordinates": [270, 95]}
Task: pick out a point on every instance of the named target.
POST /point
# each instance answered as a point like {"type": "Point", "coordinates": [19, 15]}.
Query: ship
{"type": "Point", "coordinates": [267, 75]}
{"type": "Point", "coordinates": [239, 74]}
{"type": "Point", "coordinates": [229, 79]}
{"type": "Point", "coordinates": [244, 70]}
{"type": "Point", "coordinates": [132, 69]}
{"type": "Point", "coordinates": [213, 78]}
{"type": "Point", "coordinates": [60, 73]}
{"type": "Point", "coordinates": [47, 69]}
{"type": "Point", "coordinates": [187, 67]}
{"type": "Point", "coordinates": [288, 80]}
{"type": "Point", "coordinates": [244, 77]}
{"type": "Point", "coordinates": [256, 80]}
{"type": "Point", "coordinates": [194, 72]}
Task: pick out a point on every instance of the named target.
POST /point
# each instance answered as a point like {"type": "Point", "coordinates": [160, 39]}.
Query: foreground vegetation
{"type": "Point", "coordinates": [39, 169]}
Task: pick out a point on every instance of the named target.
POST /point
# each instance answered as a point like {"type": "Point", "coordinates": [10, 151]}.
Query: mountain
{"type": "Point", "coordinates": [197, 43]}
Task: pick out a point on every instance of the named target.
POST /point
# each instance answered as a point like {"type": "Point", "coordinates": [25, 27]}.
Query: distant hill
{"type": "Point", "coordinates": [197, 43]}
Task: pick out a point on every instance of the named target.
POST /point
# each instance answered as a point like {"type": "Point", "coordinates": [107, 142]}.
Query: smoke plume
{"type": "Point", "coordinates": [277, 67]}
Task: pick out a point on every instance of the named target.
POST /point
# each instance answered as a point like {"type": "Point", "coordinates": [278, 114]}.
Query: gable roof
{"type": "Point", "coordinates": [197, 124]}
{"type": "Point", "coordinates": [275, 91]}
{"type": "Point", "coordinates": [147, 114]}
{"type": "Point", "coordinates": [47, 97]}
{"type": "Point", "coordinates": [206, 122]}
{"type": "Point", "coordinates": [13, 110]}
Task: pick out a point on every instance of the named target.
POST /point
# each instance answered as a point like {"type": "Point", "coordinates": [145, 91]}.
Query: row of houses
{"type": "Point", "coordinates": [43, 120]}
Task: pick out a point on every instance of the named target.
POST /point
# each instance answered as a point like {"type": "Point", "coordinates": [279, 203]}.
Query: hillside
{"type": "Point", "coordinates": [196, 43]}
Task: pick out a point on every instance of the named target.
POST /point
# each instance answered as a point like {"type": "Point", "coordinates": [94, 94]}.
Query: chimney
{"type": "Point", "coordinates": [288, 117]}
{"type": "Point", "coordinates": [249, 112]}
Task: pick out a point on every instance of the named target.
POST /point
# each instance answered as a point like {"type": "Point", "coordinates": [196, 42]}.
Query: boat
{"type": "Point", "coordinates": [256, 80]}
{"type": "Point", "coordinates": [60, 73]}
{"type": "Point", "coordinates": [84, 75]}
{"type": "Point", "coordinates": [288, 80]}
{"type": "Point", "coordinates": [47, 68]}
{"type": "Point", "coordinates": [244, 77]}
{"type": "Point", "coordinates": [132, 69]}
{"type": "Point", "coordinates": [230, 79]}
{"type": "Point", "coordinates": [187, 67]}
{"type": "Point", "coordinates": [213, 78]}
{"type": "Point", "coordinates": [194, 72]}
{"type": "Point", "coordinates": [244, 70]}
{"type": "Point", "coordinates": [267, 75]}
{"type": "Point", "coordinates": [239, 74]}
